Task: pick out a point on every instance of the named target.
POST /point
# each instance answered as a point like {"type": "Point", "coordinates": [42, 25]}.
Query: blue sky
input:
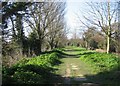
{"type": "Point", "coordinates": [74, 8]}
{"type": "Point", "coordinates": [73, 11]}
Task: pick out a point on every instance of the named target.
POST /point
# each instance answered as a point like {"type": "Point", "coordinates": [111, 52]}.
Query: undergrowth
{"type": "Point", "coordinates": [37, 70]}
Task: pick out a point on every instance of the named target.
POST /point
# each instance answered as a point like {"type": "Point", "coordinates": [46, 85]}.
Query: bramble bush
{"type": "Point", "coordinates": [37, 70]}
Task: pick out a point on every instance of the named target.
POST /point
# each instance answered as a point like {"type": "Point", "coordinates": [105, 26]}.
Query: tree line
{"type": "Point", "coordinates": [28, 29]}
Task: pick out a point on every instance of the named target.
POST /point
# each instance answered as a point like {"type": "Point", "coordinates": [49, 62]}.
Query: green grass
{"type": "Point", "coordinates": [83, 68]}
{"type": "Point", "coordinates": [101, 61]}
{"type": "Point", "coordinates": [105, 66]}
{"type": "Point", "coordinates": [70, 60]}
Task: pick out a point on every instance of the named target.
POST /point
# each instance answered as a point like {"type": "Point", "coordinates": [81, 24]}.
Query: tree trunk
{"type": "Point", "coordinates": [108, 44]}
{"type": "Point", "coordinates": [109, 29]}
{"type": "Point", "coordinates": [86, 45]}
{"type": "Point", "coordinates": [40, 46]}
{"type": "Point", "coordinates": [51, 46]}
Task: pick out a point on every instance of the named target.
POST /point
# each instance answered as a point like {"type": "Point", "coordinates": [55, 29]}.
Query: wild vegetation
{"type": "Point", "coordinates": [106, 66]}
{"type": "Point", "coordinates": [101, 61]}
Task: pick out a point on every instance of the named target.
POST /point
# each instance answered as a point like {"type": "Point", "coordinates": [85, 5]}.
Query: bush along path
{"type": "Point", "coordinates": [82, 67]}
{"type": "Point", "coordinates": [29, 71]}
{"type": "Point", "coordinates": [106, 67]}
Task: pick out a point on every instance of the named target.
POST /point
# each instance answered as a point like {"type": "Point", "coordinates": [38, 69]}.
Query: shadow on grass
{"type": "Point", "coordinates": [62, 54]}
{"type": "Point", "coordinates": [31, 75]}
{"type": "Point", "coordinates": [65, 55]}
{"type": "Point", "coordinates": [107, 78]}
{"type": "Point", "coordinates": [74, 50]}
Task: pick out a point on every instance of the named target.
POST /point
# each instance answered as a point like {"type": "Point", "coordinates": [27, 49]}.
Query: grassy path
{"type": "Point", "coordinates": [73, 70]}
{"type": "Point", "coordinates": [76, 67]}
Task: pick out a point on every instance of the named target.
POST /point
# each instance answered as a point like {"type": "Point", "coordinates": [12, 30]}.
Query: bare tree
{"type": "Point", "coordinates": [44, 19]}
{"type": "Point", "coordinates": [102, 15]}
{"type": "Point", "coordinates": [58, 25]}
